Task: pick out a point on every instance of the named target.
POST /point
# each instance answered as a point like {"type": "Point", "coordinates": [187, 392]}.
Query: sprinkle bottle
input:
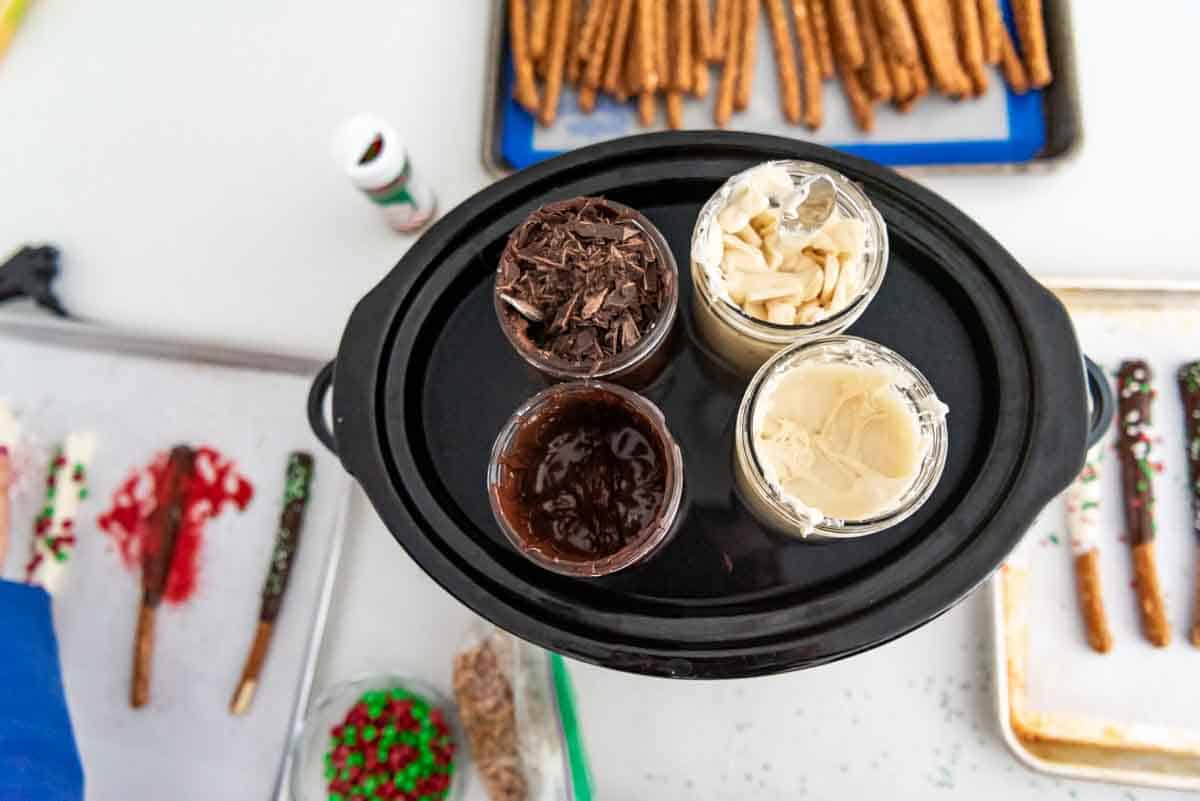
{"type": "Point", "coordinates": [375, 160]}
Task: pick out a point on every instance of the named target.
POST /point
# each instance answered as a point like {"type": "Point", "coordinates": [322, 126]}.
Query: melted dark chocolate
{"type": "Point", "coordinates": [586, 477]}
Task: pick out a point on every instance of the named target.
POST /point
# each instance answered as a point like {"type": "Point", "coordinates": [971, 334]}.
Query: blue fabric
{"type": "Point", "coordinates": [38, 757]}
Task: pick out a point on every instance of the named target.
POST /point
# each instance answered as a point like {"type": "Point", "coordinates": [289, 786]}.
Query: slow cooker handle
{"type": "Point", "coordinates": [316, 407]}
{"type": "Point", "coordinates": [1102, 405]}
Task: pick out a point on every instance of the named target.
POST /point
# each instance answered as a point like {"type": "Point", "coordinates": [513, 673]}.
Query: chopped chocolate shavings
{"type": "Point", "coordinates": [592, 273]}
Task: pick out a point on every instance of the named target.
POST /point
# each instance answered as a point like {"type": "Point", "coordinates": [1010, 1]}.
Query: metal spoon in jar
{"type": "Point", "coordinates": [809, 206]}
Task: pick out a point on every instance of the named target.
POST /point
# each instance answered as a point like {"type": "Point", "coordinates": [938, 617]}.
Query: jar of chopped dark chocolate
{"type": "Point", "coordinates": [588, 288]}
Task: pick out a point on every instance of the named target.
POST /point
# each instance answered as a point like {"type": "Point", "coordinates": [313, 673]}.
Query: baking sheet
{"type": "Point", "coordinates": [185, 744]}
{"type": "Point", "coordinates": [998, 131]}
{"type": "Point", "coordinates": [1130, 715]}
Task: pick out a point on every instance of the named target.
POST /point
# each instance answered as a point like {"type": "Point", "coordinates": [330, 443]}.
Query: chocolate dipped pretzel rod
{"type": "Point", "coordinates": [1135, 397]}
{"type": "Point", "coordinates": [1189, 391]}
{"type": "Point", "coordinates": [287, 540]}
{"type": "Point", "coordinates": [1083, 504]}
{"type": "Point", "coordinates": [166, 520]}
{"type": "Point", "coordinates": [54, 528]}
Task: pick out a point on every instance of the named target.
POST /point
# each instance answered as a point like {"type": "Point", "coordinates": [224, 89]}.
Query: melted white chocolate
{"type": "Point", "coordinates": [838, 441]}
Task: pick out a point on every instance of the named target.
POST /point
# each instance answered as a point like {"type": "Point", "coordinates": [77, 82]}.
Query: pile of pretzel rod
{"type": "Point", "coordinates": [881, 50]}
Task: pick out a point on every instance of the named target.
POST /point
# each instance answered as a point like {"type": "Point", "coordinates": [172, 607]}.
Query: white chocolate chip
{"type": "Point", "coordinates": [781, 313]}
{"type": "Point", "coordinates": [750, 237]}
{"type": "Point", "coordinates": [772, 180]}
{"type": "Point", "coordinates": [832, 270]}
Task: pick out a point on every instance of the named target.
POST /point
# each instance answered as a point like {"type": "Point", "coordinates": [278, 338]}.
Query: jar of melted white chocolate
{"type": "Point", "coordinates": [761, 285]}
{"type": "Point", "coordinates": [838, 438]}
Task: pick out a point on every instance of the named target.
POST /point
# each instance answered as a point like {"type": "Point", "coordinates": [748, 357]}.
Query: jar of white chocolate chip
{"type": "Point", "coordinates": [762, 282]}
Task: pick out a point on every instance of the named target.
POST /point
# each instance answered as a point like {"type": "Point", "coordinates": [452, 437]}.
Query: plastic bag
{"type": "Point", "coordinates": [517, 707]}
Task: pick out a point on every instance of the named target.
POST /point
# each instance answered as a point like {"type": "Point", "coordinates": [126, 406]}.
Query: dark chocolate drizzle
{"type": "Point", "coordinates": [287, 538]}
{"type": "Point", "coordinates": [1135, 396]}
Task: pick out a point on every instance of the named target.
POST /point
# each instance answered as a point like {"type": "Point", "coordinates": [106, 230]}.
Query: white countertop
{"type": "Point", "coordinates": [180, 159]}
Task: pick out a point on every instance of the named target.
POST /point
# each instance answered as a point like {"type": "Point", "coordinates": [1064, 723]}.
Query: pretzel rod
{"type": "Point", "coordinates": [993, 26]}
{"type": "Point", "coordinates": [701, 78]}
{"type": "Point", "coordinates": [748, 52]}
{"type": "Point", "coordinates": [662, 43]}
{"type": "Point", "coordinates": [1010, 64]}
{"type": "Point", "coordinates": [526, 90]}
{"type": "Point", "coordinates": [595, 67]}
{"type": "Point", "coordinates": [1135, 398]}
{"type": "Point", "coordinates": [165, 522]}
{"type": "Point", "coordinates": [1150, 598]}
{"type": "Point", "coordinates": [875, 70]}
{"type": "Point", "coordinates": [702, 16]}
{"type": "Point", "coordinates": [643, 45]}
{"type": "Point", "coordinates": [1091, 601]}
{"type": "Point", "coordinates": [681, 76]}
{"type": "Point", "coordinates": [589, 32]}
{"type": "Point", "coordinates": [720, 30]}
{"type": "Point", "coordinates": [785, 61]}
{"type": "Point", "coordinates": [1031, 30]}
{"type": "Point", "coordinates": [723, 108]}
{"type": "Point", "coordinates": [631, 71]}
{"type": "Point", "coordinates": [1189, 393]}
{"type": "Point", "coordinates": [857, 95]}
{"type": "Point", "coordinates": [674, 109]}
{"type": "Point", "coordinates": [539, 29]}
{"type": "Point", "coordinates": [556, 58]}
{"type": "Point", "coordinates": [902, 80]}
{"type": "Point", "coordinates": [935, 26]}
{"type": "Point", "coordinates": [647, 109]}
{"type": "Point", "coordinates": [616, 48]}
{"type": "Point", "coordinates": [820, 25]}
{"type": "Point", "coordinates": [587, 99]}
{"type": "Point", "coordinates": [847, 41]}
{"type": "Point", "coordinates": [1083, 501]}
{"type": "Point", "coordinates": [970, 42]}
{"type": "Point", "coordinates": [896, 31]}
{"type": "Point", "coordinates": [810, 67]}
{"type": "Point", "coordinates": [919, 76]}
{"type": "Point", "coordinates": [574, 42]}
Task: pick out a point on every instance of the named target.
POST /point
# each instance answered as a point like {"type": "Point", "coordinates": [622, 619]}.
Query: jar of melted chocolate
{"type": "Point", "coordinates": [585, 479]}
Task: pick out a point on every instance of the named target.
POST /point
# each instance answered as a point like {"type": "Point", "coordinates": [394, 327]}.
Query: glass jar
{"type": "Point", "coordinates": [766, 500]}
{"type": "Point", "coordinates": [527, 428]}
{"type": "Point", "coordinates": [636, 367]}
{"type": "Point", "coordinates": [745, 342]}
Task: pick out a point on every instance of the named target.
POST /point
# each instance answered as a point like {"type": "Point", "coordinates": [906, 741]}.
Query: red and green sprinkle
{"type": "Point", "coordinates": [391, 746]}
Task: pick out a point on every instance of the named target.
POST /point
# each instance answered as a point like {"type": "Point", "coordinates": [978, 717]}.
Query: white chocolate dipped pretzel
{"type": "Point", "coordinates": [54, 528]}
{"type": "Point", "coordinates": [1083, 506]}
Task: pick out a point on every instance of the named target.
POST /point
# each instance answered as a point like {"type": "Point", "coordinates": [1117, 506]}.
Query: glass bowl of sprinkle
{"type": "Point", "coordinates": [379, 738]}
